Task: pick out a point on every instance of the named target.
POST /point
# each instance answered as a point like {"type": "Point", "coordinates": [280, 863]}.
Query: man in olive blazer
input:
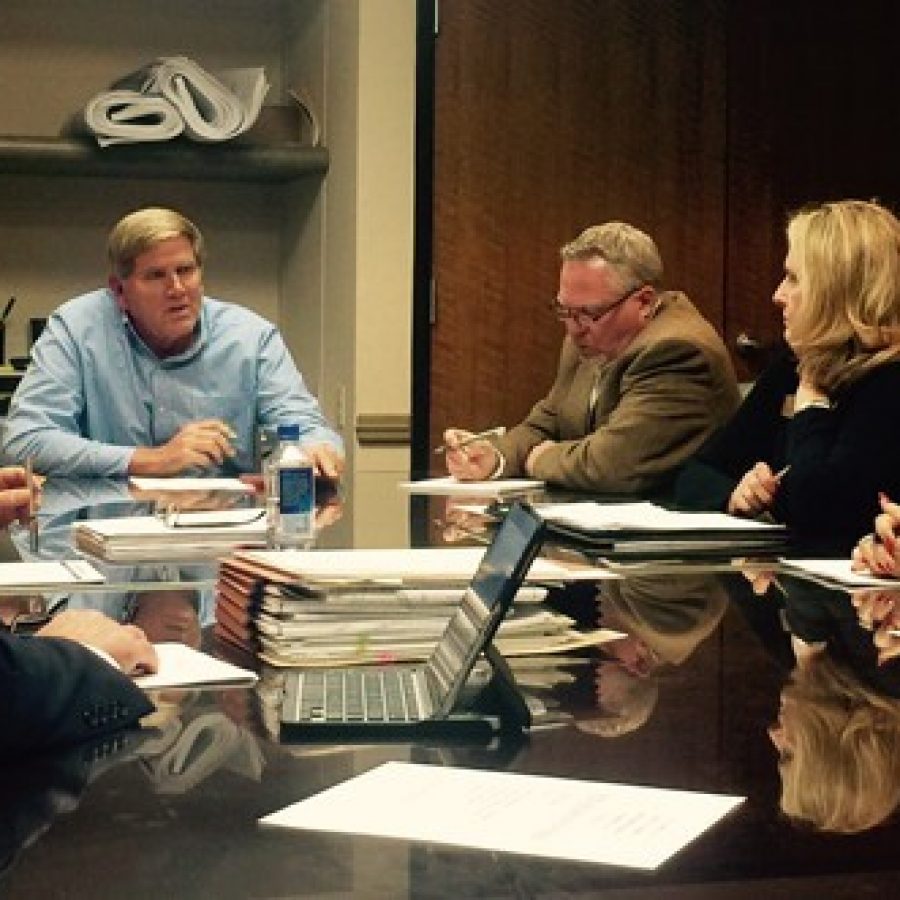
{"type": "Point", "coordinates": [643, 379]}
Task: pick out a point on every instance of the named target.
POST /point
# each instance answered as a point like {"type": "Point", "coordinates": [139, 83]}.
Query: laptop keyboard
{"type": "Point", "coordinates": [355, 695]}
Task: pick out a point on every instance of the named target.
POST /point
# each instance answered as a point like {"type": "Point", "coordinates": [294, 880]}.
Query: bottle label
{"type": "Point", "coordinates": [295, 490]}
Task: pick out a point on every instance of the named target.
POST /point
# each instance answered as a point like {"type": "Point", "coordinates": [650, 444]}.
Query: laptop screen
{"type": "Point", "coordinates": [484, 604]}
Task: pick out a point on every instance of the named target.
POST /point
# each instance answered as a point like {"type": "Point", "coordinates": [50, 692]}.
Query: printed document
{"type": "Point", "coordinates": [561, 818]}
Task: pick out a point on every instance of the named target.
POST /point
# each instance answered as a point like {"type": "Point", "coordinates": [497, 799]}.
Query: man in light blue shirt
{"type": "Point", "coordinates": [150, 377]}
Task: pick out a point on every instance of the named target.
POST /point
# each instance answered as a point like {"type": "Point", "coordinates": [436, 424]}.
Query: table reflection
{"type": "Point", "coordinates": [665, 619]}
{"type": "Point", "coordinates": [837, 732]}
{"type": "Point", "coordinates": [763, 685]}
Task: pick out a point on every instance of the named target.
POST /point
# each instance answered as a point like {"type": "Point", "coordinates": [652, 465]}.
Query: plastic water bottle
{"type": "Point", "coordinates": [290, 492]}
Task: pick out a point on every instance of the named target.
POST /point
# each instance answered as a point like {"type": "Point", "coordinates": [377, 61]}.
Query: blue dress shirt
{"type": "Point", "coordinates": [94, 390]}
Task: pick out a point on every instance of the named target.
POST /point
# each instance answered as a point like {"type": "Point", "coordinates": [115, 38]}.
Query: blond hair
{"type": "Point", "coordinates": [139, 231]}
{"type": "Point", "coordinates": [842, 773]}
{"type": "Point", "coordinates": [848, 320]}
{"type": "Point", "coordinates": [632, 254]}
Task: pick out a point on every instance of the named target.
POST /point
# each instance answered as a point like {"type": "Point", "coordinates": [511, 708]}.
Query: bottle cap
{"type": "Point", "coordinates": [288, 432]}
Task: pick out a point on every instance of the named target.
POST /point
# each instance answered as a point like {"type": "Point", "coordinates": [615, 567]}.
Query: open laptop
{"type": "Point", "coordinates": [394, 701]}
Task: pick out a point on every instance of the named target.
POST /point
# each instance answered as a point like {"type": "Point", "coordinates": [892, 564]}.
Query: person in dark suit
{"type": "Point", "coordinates": [643, 378]}
{"type": "Point", "coordinates": [69, 681]}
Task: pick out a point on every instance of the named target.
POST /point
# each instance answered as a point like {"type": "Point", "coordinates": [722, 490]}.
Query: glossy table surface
{"type": "Point", "coordinates": [687, 700]}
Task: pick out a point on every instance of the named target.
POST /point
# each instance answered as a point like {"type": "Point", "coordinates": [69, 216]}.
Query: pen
{"type": "Point", "coordinates": [490, 432]}
{"type": "Point", "coordinates": [33, 541]}
{"type": "Point", "coordinates": [782, 472]}
{"type": "Point", "coordinates": [7, 309]}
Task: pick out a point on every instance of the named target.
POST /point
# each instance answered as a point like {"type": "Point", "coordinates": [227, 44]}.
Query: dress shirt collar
{"type": "Point", "coordinates": [168, 361]}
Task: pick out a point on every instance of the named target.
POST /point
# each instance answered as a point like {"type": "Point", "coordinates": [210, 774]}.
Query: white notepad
{"type": "Point", "coordinates": [182, 666]}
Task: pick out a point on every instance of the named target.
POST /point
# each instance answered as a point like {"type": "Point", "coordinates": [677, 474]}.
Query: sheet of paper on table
{"type": "Point", "coordinates": [561, 818]}
{"type": "Point", "coordinates": [838, 572]}
{"type": "Point", "coordinates": [190, 484]}
{"type": "Point", "coordinates": [183, 666]}
{"type": "Point", "coordinates": [450, 486]}
{"type": "Point", "coordinates": [48, 573]}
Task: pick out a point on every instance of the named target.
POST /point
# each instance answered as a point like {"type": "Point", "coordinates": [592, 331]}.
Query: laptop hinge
{"type": "Point", "coordinates": [514, 711]}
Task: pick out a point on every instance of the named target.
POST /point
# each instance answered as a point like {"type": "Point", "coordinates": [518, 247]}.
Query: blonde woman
{"type": "Point", "coordinates": [816, 439]}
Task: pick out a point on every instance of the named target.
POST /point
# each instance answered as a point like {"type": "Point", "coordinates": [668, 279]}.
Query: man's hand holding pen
{"type": "Point", "coordinates": [470, 455]}
{"type": "Point", "coordinates": [20, 495]}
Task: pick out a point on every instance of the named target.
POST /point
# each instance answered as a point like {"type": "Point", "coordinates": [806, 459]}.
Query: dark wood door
{"type": "Point", "coordinates": [812, 110]}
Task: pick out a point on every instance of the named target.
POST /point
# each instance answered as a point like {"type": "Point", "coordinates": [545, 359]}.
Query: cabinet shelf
{"type": "Point", "coordinates": [172, 160]}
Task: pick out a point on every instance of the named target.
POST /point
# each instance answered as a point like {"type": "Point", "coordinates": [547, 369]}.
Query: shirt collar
{"type": "Point", "coordinates": [179, 358]}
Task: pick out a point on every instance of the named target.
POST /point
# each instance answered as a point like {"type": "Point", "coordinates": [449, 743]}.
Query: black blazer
{"type": "Point", "coordinates": [55, 692]}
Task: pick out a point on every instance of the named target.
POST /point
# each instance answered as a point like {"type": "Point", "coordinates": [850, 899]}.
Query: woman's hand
{"type": "Point", "coordinates": [755, 492]}
{"type": "Point", "coordinates": [879, 552]}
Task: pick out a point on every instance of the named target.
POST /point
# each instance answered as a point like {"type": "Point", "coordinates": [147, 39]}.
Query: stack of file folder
{"type": "Point", "coordinates": [186, 536]}
{"type": "Point", "coordinates": [330, 607]}
{"type": "Point", "coordinates": [643, 530]}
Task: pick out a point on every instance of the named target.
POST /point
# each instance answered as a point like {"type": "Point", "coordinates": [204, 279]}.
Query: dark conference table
{"type": "Point", "coordinates": [685, 702]}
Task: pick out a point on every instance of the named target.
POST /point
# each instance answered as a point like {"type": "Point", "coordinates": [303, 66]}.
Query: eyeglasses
{"type": "Point", "coordinates": [589, 315]}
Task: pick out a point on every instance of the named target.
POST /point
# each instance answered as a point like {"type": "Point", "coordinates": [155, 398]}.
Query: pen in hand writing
{"type": "Point", "coordinates": [782, 472]}
{"type": "Point", "coordinates": [481, 435]}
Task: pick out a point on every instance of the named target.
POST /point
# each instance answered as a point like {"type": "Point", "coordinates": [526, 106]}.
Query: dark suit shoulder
{"type": "Point", "coordinates": [57, 692]}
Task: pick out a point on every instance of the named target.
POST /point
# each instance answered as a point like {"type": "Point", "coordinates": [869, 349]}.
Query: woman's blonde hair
{"type": "Point", "coordinates": [842, 771]}
{"type": "Point", "coordinates": [848, 320]}
{"type": "Point", "coordinates": [139, 231]}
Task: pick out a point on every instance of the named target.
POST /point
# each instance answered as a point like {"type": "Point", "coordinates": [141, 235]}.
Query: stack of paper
{"type": "Point", "coordinates": [645, 530]}
{"type": "Point", "coordinates": [400, 567]}
{"type": "Point", "coordinates": [191, 536]}
{"type": "Point", "coordinates": [345, 607]}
